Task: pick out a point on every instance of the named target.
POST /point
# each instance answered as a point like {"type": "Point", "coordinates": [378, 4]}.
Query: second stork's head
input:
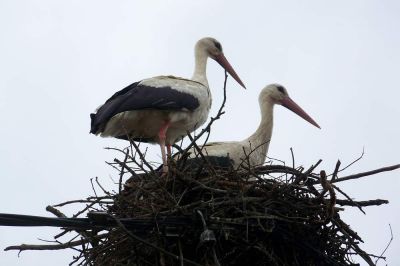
{"type": "Point", "coordinates": [279, 95]}
{"type": "Point", "coordinates": [210, 47]}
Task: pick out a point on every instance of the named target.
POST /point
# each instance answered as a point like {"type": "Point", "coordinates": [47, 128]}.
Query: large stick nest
{"type": "Point", "coordinates": [271, 215]}
{"type": "Point", "coordinates": [268, 215]}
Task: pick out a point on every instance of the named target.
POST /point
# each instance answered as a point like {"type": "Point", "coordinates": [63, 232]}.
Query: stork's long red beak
{"type": "Point", "coordinates": [221, 59]}
{"type": "Point", "coordinates": [294, 107]}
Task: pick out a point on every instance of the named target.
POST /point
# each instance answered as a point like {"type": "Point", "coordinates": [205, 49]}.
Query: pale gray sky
{"type": "Point", "coordinates": [60, 59]}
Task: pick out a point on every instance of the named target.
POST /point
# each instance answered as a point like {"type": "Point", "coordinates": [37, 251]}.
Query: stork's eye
{"type": "Point", "coordinates": [281, 89]}
{"type": "Point", "coordinates": [218, 45]}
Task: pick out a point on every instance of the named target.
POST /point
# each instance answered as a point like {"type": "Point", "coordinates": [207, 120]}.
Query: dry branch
{"type": "Point", "coordinates": [373, 172]}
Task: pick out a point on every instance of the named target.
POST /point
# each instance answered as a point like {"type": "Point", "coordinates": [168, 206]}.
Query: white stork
{"type": "Point", "coordinates": [162, 109]}
{"type": "Point", "coordinates": [251, 151]}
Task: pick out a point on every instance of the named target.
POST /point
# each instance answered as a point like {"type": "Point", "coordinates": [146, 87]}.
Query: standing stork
{"type": "Point", "coordinates": [251, 151]}
{"type": "Point", "coordinates": [162, 109]}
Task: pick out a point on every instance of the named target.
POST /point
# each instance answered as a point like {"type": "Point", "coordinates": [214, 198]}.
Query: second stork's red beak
{"type": "Point", "coordinates": [221, 59]}
{"type": "Point", "coordinates": [294, 107]}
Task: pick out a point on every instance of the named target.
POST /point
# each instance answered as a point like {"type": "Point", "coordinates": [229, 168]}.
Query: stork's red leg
{"type": "Point", "coordinates": [162, 135]}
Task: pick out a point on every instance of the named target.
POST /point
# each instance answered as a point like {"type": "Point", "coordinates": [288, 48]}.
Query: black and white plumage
{"type": "Point", "coordinates": [251, 151]}
{"type": "Point", "coordinates": [162, 109]}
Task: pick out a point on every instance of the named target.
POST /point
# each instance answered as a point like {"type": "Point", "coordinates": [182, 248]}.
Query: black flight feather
{"type": "Point", "coordinates": [141, 97]}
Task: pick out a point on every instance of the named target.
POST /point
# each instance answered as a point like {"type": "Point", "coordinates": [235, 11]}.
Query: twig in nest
{"type": "Point", "coordinates": [66, 245]}
{"type": "Point", "coordinates": [348, 197]}
{"type": "Point", "coordinates": [121, 174]}
{"type": "Point", "coordinates": [387, 246]}
{"type": "Point", "coordinates": [335, 172]}
{"type": "Point", "coordinates": [200, 152]}
{"type": "Point", "coordinates": [142, 158]}
{"type": "Point", "coordinates": [365, 203]}
{"type": "Point", "coordinates": [56, 212]}
{"type": "Point", "coordinates": [353, 162]}
{"type": "Point", "coordinates": [373, 172]}
{"type": "Point", "coordinates": [332, 200]}
{"type": "Point", "coordinates": [306, 173]}
{"type": "Point", "coordinates": [293, 162]}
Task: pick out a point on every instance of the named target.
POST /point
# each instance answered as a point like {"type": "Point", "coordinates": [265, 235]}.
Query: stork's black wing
{"type": "Point", "coordinates": [141, 97]}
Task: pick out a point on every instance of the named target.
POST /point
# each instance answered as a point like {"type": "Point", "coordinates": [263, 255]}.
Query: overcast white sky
{"type": "Point", "coordinates": [59, 60]}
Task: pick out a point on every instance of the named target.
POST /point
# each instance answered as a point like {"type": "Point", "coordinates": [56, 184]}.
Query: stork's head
{"type": "Point", "coordinates": [279, 95]}
{"type": "Point", "coordinates": [212, 48]}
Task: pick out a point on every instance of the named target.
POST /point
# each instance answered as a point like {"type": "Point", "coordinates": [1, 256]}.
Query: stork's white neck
{"type": "Point", "coordinates": [260, 139]}
{"type": "Point", "coordinates": [200, 66]}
